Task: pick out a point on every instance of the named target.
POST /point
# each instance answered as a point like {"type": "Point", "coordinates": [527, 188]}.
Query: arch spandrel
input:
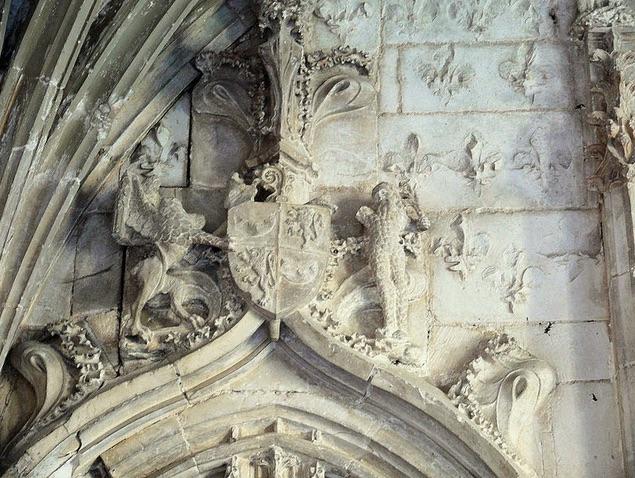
{"type": "Point", "coordinates": [243, 393]}
{"type": "Point", "coordinates": [273, 339]}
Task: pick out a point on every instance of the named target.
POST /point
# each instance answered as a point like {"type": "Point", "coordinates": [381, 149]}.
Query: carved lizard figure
{"type": "Point", "coordinates": [144, 218]}
{"type": "Point", "coordinates": [386, 225]}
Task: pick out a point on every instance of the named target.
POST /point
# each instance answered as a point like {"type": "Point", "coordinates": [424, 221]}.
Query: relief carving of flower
{"type": "Point", "coordinates": [443, 77]}
{"type": "Point", "coordinates": [523, 73]}
{"type": "Point", "coordinates": [477, 16]}
{"type": "Point", "coordinates": [410, 159]}
{"type": "Point", "coordinates": [477, 161]}
{"type": "Point", "coordinates": [474, 15]}
{"type": "Point", "coordinates": [513, 278]}
{"type": "Point", "coordinates": [411, 15]}
{"type": "Point", "coordinates": [342, 17]}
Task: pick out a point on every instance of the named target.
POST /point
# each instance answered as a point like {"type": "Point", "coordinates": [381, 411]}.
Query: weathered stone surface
{"type": "Point", "coordinates": [320, 238]}
{"type": "Point", "coordinates": [177, 121]}
{"type": "Point", "coordinates": [520, 76]}
{"type": "Point", "coordinates": [537, 271]}
{"type": "Point", "coordinates": [98, 267]}
{"type": "Point", "coordinates": [519, 160]}
{"type": "Point", "coordinates": [601, 455]}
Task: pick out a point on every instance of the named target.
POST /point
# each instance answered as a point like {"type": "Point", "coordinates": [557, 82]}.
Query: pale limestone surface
{"type": "Point", "coordinates": [308, 232]}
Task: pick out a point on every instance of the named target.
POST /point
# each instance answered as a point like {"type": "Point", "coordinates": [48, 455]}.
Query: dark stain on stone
{"type": "Point", "coordinates": [548, 327]}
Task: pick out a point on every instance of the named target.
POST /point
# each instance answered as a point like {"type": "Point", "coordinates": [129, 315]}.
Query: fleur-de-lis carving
{"type": "Point", "coordinates": [409, 158]}
{"type": "Point", "coordinates": [534, 160]}
{"type": "Point", "coordinates": [443, 77]}
{"type": "Point", "coordinates": [410, 16]}
{"type": "Point", "coordinates": [342, 17]}
{"type": "Point", "coordinates": [522, 72]}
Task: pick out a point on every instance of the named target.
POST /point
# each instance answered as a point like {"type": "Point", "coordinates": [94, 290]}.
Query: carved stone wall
{"type": "Point", "coordinates": [318, 238]}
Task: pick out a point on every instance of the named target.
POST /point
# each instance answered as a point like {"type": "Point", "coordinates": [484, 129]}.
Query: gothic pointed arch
{"type": "Point", "coordinates": [253, 335]}
{"type": "Point", "coordinates": [225, 405]}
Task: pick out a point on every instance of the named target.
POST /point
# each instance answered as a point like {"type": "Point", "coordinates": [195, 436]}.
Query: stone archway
{"type": "Point", "coordinates": [245, 402]}
{"type": "Point", "coordinates": [273, 392]}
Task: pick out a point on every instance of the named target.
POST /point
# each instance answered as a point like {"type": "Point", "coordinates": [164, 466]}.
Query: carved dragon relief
{"type": "Point", "coordinates": [180, 290]}
{"type": "Point", "coordinates": [144, 218]}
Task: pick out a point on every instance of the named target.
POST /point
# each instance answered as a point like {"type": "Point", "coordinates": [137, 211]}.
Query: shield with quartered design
{"type": "Point", "coordinates": [279, 253]}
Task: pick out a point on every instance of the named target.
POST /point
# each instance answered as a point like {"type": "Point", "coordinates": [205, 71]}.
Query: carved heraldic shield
{"type": "Point", "coordinates": [280, 253]}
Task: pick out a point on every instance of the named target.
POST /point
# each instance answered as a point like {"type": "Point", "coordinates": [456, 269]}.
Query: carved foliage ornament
{"type": "Point", "coordinates": [602, 14]}
{"type": "Point", "coordinates": [621, 128]}
{"type": "Point", "coordinates": [504, 391]}
{"type": "Point", "coordinates": [613, 107]}
{"type": "Point", "coordinates": [47, 370]}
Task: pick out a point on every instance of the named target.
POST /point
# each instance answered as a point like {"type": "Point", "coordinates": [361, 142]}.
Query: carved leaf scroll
{"type": "Point", "coordinates": [341, 94]}
{"type": "Point", "coordinates": [44, 368]}
{"type": "Point", "coordinates": [504, 391]}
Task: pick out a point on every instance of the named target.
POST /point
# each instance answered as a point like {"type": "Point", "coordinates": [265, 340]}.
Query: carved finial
{"type": "Point", "coordinates": [276, 461]}
{"type": "Point", "coordinates": [317, 471]}
{"type": "Point", "coordinates": [233, 468]}
{"type": "Point", "coordinates": [234, 433]}
{"type": "Point", "coordinates": [278, 425]}
{"type": "Point", "coordinates": [292, 14]}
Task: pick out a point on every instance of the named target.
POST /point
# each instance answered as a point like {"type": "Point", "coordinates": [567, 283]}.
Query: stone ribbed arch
{"type": "Point", "coordinates": [84, 87]}
{"type": "Point", "coordinates": [219, 403]}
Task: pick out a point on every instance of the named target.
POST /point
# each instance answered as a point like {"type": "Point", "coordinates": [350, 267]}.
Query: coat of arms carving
{"type": "Point", "coordinates": [279, 254]}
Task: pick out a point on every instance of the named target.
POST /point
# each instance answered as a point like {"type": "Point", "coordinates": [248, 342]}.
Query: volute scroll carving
{"type": "Point", "coordinates": [44, 368]}
{"type": "Point", "coordinates": [505, 390]}
{"type": "Point", "coordinates": [63, 369]}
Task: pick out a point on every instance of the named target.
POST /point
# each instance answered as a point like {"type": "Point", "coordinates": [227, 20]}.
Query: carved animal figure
{"type": "Point", "coordinates": [144, 218]}
{"type": "Point", "coordinates": [386, 226]}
